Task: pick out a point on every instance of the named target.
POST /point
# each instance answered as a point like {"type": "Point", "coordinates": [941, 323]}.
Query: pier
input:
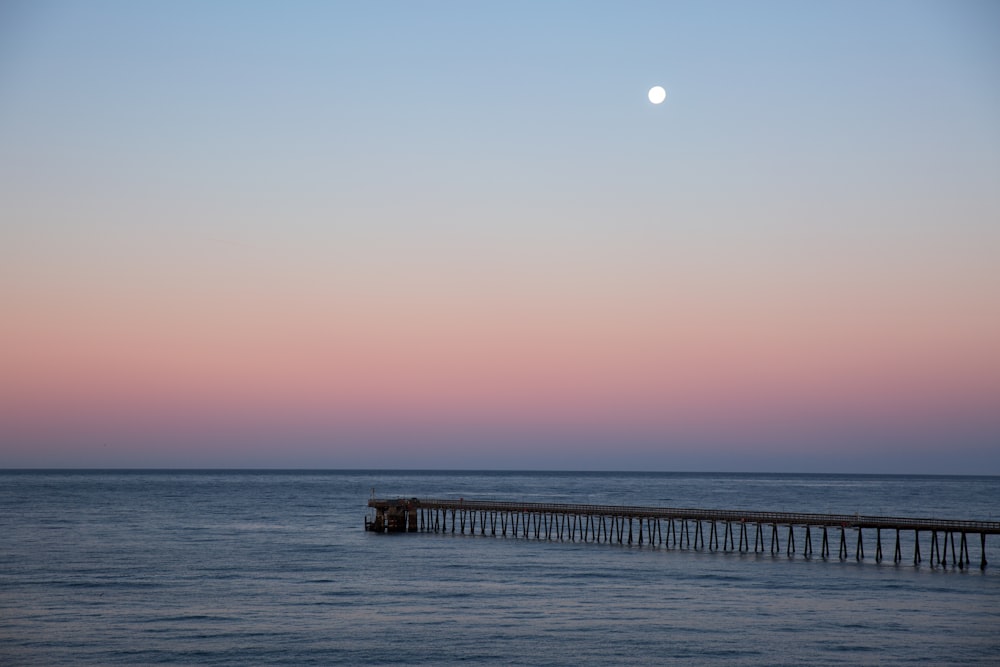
{"type": "Point", "coordinates": [836, 535]}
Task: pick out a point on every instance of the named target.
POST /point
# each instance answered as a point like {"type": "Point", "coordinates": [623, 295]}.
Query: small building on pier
{"type": "Point", "coordinates": [396, 516]}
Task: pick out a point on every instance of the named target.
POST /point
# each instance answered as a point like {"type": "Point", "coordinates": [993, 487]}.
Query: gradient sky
{"type": "Point", "coordinates": [452, 234]}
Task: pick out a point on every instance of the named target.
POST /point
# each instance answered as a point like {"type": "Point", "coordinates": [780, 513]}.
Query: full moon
{"type": "Point", "coordinates": [657, 94]}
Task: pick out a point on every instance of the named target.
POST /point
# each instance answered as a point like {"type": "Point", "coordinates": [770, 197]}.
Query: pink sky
{"type": "Point", "coordinates": [660, 355]}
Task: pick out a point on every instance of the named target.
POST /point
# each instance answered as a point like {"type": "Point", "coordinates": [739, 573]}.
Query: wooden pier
{"type": "Point", "coordinates": [714, 530]}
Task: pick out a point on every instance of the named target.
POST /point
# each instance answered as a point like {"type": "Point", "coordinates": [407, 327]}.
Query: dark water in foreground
{"type": "Point", "coordinates": [273, 567]}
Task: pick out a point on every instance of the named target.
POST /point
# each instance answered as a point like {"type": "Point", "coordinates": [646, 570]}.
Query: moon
{"type": "Point", "coordinates": [657, 94]}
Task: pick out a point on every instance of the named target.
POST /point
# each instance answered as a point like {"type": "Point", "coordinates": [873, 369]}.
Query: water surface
{"type": "Point", "coordinates": [232, 568]}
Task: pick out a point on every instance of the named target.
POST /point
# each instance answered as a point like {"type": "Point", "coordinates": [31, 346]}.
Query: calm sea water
{"type": "Point", "coordinates": [236, 568]}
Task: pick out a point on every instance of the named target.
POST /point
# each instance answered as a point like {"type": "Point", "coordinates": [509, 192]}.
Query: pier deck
{"type": "Point", "coordinates": [672, 527]}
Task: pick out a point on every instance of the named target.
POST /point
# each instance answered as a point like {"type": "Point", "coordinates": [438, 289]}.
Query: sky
{"type": "Point", "coordinates": [458, 235]}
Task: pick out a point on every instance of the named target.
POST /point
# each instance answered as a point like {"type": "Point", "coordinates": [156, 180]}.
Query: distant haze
{"type": "Point", "coordinates": [458, 235]}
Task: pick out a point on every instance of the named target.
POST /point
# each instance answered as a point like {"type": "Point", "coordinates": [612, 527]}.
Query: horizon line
{"type": "Point", "coordinates": [525, 471]}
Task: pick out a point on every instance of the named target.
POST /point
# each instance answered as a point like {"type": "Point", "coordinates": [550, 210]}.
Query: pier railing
{"type": "Point", "coordinates": [671, 526]}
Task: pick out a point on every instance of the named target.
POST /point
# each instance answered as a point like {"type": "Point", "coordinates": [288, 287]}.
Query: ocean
{"type": "Point", "coordinates": [274, 567]}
